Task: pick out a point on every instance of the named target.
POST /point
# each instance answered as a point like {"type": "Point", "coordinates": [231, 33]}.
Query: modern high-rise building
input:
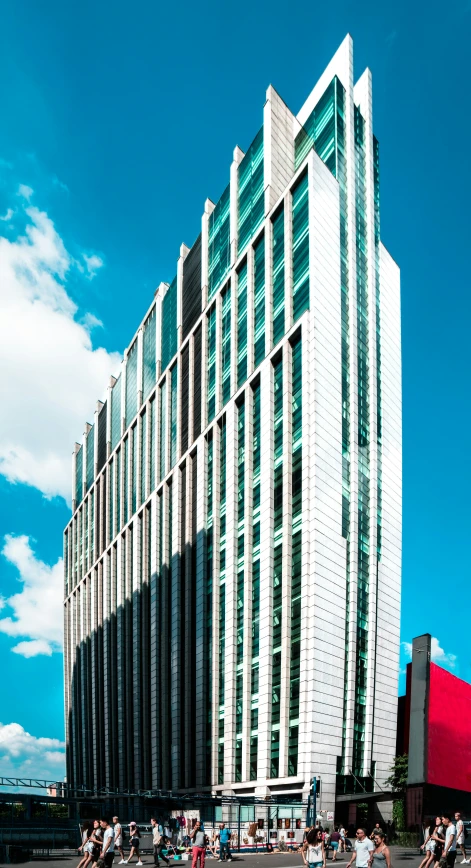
{"type": "Point", "coordinates": [233, 562]}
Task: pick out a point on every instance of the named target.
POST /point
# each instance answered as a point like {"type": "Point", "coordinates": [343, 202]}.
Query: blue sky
{"type": "Point", "coordinates": [118, 121]}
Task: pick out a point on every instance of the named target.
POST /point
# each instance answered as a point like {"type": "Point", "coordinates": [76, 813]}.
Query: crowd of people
{"type": "Point", "coordinates": [442, 838]}
{"type": "Point", "coordinates": [101, 841]}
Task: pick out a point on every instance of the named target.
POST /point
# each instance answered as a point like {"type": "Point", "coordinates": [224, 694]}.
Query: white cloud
{"type": "Point", "coordinates": [32, 648]}
{"type": "Point", "coordinates": [53, 374]}
{"type": "Point", "coordinates": [9, 214]}
{"type": "Point", "coordinates": [92, 264]}
{"type": "Point", "coordinates": [36, 611]}
{"type": "Point", "coordinates": [25, 192]}
{"type": "Point", "coordinates": [438, 655]}
{"type": "Point", "coordinates": [24, 755]}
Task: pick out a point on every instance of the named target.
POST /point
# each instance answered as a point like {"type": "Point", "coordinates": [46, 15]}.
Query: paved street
{"type": "Point", "coordinates": [400, 856]}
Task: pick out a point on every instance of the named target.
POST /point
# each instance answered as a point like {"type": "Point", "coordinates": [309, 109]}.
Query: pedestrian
{"type": "Point", "coordinates": [224, 843]}
{"type": "Point", "coordinates": [213, 844]}
{"type": "Point", "coordinates": [198, 836]}
{"type": "Point", "coordinates": [449, 841]}
{"type": "Point", "coordinates": [335, 842]}
{"type": "Point", "coordinates": [118, 839]}
{"type": "Point", "coordinates": [375, 831]}
{"type": "Point", "coordinates": [380, 856]}
{"type": "Point", "coordinates": [460, 837]}
{"type": "Point", "coordinates": [107, 850]}
{"type": "Point", "coordinates": [158, 842]}
{"type": "Point", "coordinates": [362, 850]}
{"type": "Point", "coordinates": [343, 835]}
{"type": "Point", "coordinates": [87, 845]}
{"type": "Point", "coordinates": [430, 844]}
{"type": "Point", "coordinates": [134, 840]}
{"type": "Point", "coordinates": [313, 851]}
{"type": "Point", "coordinates": [96, 838]}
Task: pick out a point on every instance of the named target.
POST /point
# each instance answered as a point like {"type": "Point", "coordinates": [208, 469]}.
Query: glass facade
{"type": "Point", "coordinates": [242, 325]}
{"type": "Point", "coordinates": [277, 567]}
{"type": "Point", "coordinates": [219, 243]}
{"type": "Point", "coordinates": [169, 324]}
{"type": "Point", "coordinates": [363, 399]}
{"type": "Point", "coordinates": [131, 384]}
{"type": "Point", "coordinates": [211, 324]}
{"type": "Point", "coordinates": [296, 551]}
{"type": "Point", "coordinates": [173, 414]}
{"type": "Point", "coordinates": [278, 253]}
{"type": "Point", "coordinates": [79, 475]}
{"type": "Point", "coordinates": [251, 202]}
{"type": "Point", "coordinates": [226, 345]}
{"type": "Point", "coordinates": [199, 606]}
{"type": "Point", "coordinates": [300, 229]}
{"type": "Point", "coordinates": [148, 355]}
{"type": "Point", "coordinates": [222, 594]}
{"type": "Point", "coordinates": [259, 301]}
{"type": "Point", "coordinates": [240, 585]}
{"type": "Point", "coordinates": [90, 445]}
{"type": "Point", "coordinates": [116, 413]}
{"type": "Point", "coordinates": [254, 673]}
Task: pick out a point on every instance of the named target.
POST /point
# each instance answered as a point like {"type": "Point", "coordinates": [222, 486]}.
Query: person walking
{"type": "Point", "coordinates": [460, 837]}
{"type": "Point", "coordinates": [335, 842]}
{"type": "Point", "coordinates": [224, 843]}
{"type": "Point", "coordinates": [343, 835]}
{"type": "Point", "coordinates": [198, 836]}
{"type": "Point", "coordinates": [158, 841]}
{"type": "Point", "coordinates": [377, 829]}
{"type": "Point", "coordinates": [313, 850]}
{"type": "Point", "coordinates": [118, 839]}
{"type": "Point", "coordinates": [107, 851]}
{"type": "Point", "coordinates": [430, 844]}
{"type": "Point", "coordinates": [380, 856]}
{"type": "Point", "coordinates": [96, 839]}
{"type": "Point", "coordinates": [362, 850]}
{"type": "Point", "coordinates": [449, 841]}
{"type": "Point", "coordinates": [87, 846]}
{"type": "Point", "coordinates": [134, 840]}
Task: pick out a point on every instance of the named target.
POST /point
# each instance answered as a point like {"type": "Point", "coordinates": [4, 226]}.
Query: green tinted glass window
{"type": "Point", "coordinates": [278, 276]}
{"type": "Point", "coordinates": [163, 429]}
{"type": "Point", "coordinates": [319, 131]}
{"type": "Point", "coordinates": [131, 384]}
{"type": "Point", "coordinates": [148, 356]}
{"type": "Point", "coordinates": [79, 475]}
{"type": "Point", "coordinates": [242, 325]}
{"type": "Point", "coordinates": [90, 442]}
{"type": "Point", "coordinates": [251, 192]}
{"type": "Point", "coordinates": [169, 324]}
{"type": "Point", "coordinates": [226, 345]}
{"type": "Point", "coordinates": [173, 414]}
{"type": "Point", "coordinates": [300, 218]}
{"type": "Point", "coordinates": [219, 242]}
{"type": "Point", "coordinates": [259, 301]}
{"type": "Point", "coordinates": [116, 413]}
{"type": "Point", "coordinates": [211, 325]}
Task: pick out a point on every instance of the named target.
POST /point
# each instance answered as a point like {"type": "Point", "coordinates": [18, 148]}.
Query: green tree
{"type": "Point", "coordinates": [397, 780]}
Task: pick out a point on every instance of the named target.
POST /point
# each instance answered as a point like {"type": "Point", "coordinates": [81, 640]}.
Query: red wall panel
{"type": "Point", "coordinates": [449, 730]}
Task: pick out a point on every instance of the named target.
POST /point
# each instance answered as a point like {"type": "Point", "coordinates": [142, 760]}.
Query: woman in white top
{"type": "Point", "coordinates": [313, 851]}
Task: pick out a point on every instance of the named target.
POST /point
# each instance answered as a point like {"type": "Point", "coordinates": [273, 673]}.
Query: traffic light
{"type": "Point", "coordinates": [316, 786]}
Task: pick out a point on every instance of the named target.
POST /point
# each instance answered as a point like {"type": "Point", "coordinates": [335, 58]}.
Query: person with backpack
{"type": "Point", "coordinates": [158, 841]}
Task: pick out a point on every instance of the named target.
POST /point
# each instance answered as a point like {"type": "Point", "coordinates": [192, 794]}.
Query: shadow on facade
{"type": "Point", "coordinates": [139, 712]}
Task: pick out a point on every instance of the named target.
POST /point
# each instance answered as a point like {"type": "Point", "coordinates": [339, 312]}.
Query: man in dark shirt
{"type": "Point", "coordinates": [334, 840]}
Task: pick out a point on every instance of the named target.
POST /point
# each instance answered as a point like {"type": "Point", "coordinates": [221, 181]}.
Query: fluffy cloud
{"type": "Point", "coordinates": [24, 755]}
{"type": "Point", "coordinates": [438, 655]}
{"type": "Point", "coordinates": [35, 614]}
{"type": "Point", "coordinates": [7, 216]}
{"type": "Point", "coordinates": [92, 264]}
{"type": "Point", "coordinates": [54, 375]}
